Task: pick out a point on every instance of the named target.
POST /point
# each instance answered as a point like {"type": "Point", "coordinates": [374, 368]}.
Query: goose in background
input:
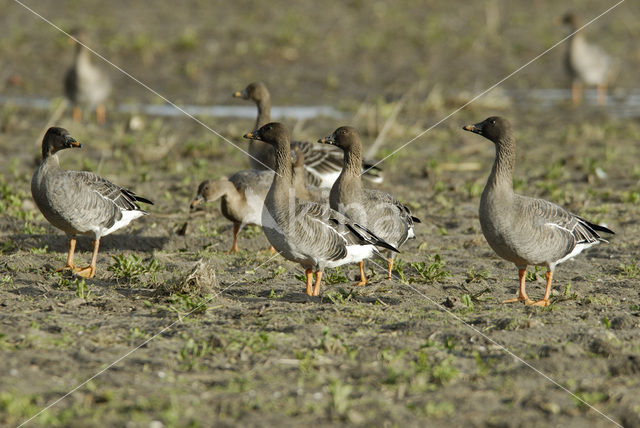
{"type": "Point", "coordinates": [322, 163]}
{"type": "Point", "coordinates": [85, 84]}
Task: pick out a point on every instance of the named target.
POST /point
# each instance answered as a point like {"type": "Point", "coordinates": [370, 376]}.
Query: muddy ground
{"type": "Point", "coordinates": [200, 337]}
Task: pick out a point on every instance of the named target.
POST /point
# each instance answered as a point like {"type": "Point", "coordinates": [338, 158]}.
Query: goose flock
{"type": "Point", "coordinates": [312, 199]}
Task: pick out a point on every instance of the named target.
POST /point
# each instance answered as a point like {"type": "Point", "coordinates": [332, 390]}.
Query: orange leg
{"type": "Point", "coordinates": [547, 292]}
{"type": "Point", "coordinates": [576, 93]}
{"type": "Point", "coordinates": [234, 246]}
{"type": "Point", "coordinates": [522, 274]}
{"type": "Point", "coordinates": [72, 249]}
{"type": "Point", "coordinates": [101, 114]}
{"type": "Point", "coordinates": [77, 114]}
{"type": "Point", "coordinates": [272, 249]}
{"type": "Point", "coordinates": [390, 268]}
{"type": "Point", "coordinates": [363, 277]}
{"type": "Point", "coordinates": [602, 94]}
{"type": "Point", "coordinates": [89, 271]}
{"type": "Point", "coordinates": [316, 289]}
{"type": "Point", "coordinates": [309, 275]}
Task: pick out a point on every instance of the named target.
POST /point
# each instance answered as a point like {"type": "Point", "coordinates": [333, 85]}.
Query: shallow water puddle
{"type": "Point", "coordinates": [292, 112]}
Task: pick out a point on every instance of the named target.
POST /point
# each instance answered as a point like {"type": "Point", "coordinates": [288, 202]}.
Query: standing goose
{"type": "Point", "coordinates": [85, 84]}
{"type": "Point", "coordinates": [242, 196]}
{"type": "Point", "coordinates": [322, 163]}
{"type": "Point", "coordinates": [380, 212]}
{"type": "Point", "coordinates": [80, 202]}
{"type": "Point", "coordinates": [244, 192]}
{"type": "Point", "coordinates": [523, 230]}
{"type": "Point", "coordinates": [311, 234]}
{"type": "Point", "coordinates": [586, 63]}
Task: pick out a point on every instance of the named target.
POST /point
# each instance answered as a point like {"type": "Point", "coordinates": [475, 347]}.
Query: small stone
{"type": "Point", "coordinates": [550, 407]}
{"type": "Point", "coordinates": [453, 303]}
{"type": "Point", "coordinates": [136, 123]}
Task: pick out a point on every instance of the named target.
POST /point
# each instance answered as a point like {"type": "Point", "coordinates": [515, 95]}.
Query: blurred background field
{"type": "Point", "coordinates": [342, 52]}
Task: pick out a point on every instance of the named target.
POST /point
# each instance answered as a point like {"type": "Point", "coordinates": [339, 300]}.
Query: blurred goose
{"type": "Point", "coordinates": [85, 84]}
{"type": "Point", "coordinates": [242, 196]}
{"type": "Point", "coordinates": [523, 230]}
{"type": "Point", "coordinates": [586, 63]}
{"type": "Point", "coordinates": [80, 202]}
{"type": "Point", "coordinates": [322, 163]}
{"type": "Point", "coordinates": [311, 234]}
{"type": "Point", "coordinates": [380, 212]}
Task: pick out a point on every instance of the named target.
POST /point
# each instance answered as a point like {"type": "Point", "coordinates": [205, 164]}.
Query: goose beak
{"type": "Point", "coordinates": [251, 136]}
{"type": "Point", "coordinates": [71, 142]}
{"type": "Point", "coordinates": [476, 129]}
{"type": "Point", "coordinates": [198, 199]}
{"type": "Point", "coordinates": [326, 140]}
{"type": "Point", "coordinates": [238, 94]}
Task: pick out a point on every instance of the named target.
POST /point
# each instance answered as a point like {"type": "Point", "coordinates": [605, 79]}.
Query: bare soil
{"type": "Point", "coordinates": [200, 337]}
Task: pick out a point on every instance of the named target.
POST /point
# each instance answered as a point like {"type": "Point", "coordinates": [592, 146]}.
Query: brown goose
{"type": "Point", "coordinates": [85, 84]}
{"type": "Point", "coordinates": [322, 163]}
{"type": "Point", "coordinates": [80, 202]}
{"type": "Point", "coordinates": [311, 234]}
{"type": "Point", "coordinates": [380, 212]}
{"type": "Point", "coordinates": [586, 63]}
{"type": "Point", "coordinates": [523, 230]}
{"type": "Point", "coordinates": [242, 197]}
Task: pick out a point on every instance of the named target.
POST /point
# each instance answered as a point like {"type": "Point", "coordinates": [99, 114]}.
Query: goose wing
{"type": "Point", "coordinates": [327, 232]}
{"type": "Point", "coordinates": [322, 161]}
{"type": "Point", "coordinates": [554, 216]}
{"type": "Point", "coordinates": [548, 233]}
{"type": "Point", "coordinates": [390, 219]}
{"type": "Point", "coordinates": [122, 198]}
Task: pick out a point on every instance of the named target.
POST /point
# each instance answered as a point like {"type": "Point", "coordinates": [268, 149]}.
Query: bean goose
{"type": "Point", "coordinates": [80, 202]}
{"type": "Point", "coordinates": [380, 212]}
{"type": "Point", "coordinates": [85, 84]}
{"type": "Point", "coordinates": [242, 195]}
{"type": "Point", "coordinates": [241, 198]}
{"type": "Point", "coordinates": [311, 234]}
{"type": "Point", "coordinates": [586, 63]}
{"type": "Point", "coordinates": [523, 230]}
{"type": "Point", "coordinates": [322, 164]}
